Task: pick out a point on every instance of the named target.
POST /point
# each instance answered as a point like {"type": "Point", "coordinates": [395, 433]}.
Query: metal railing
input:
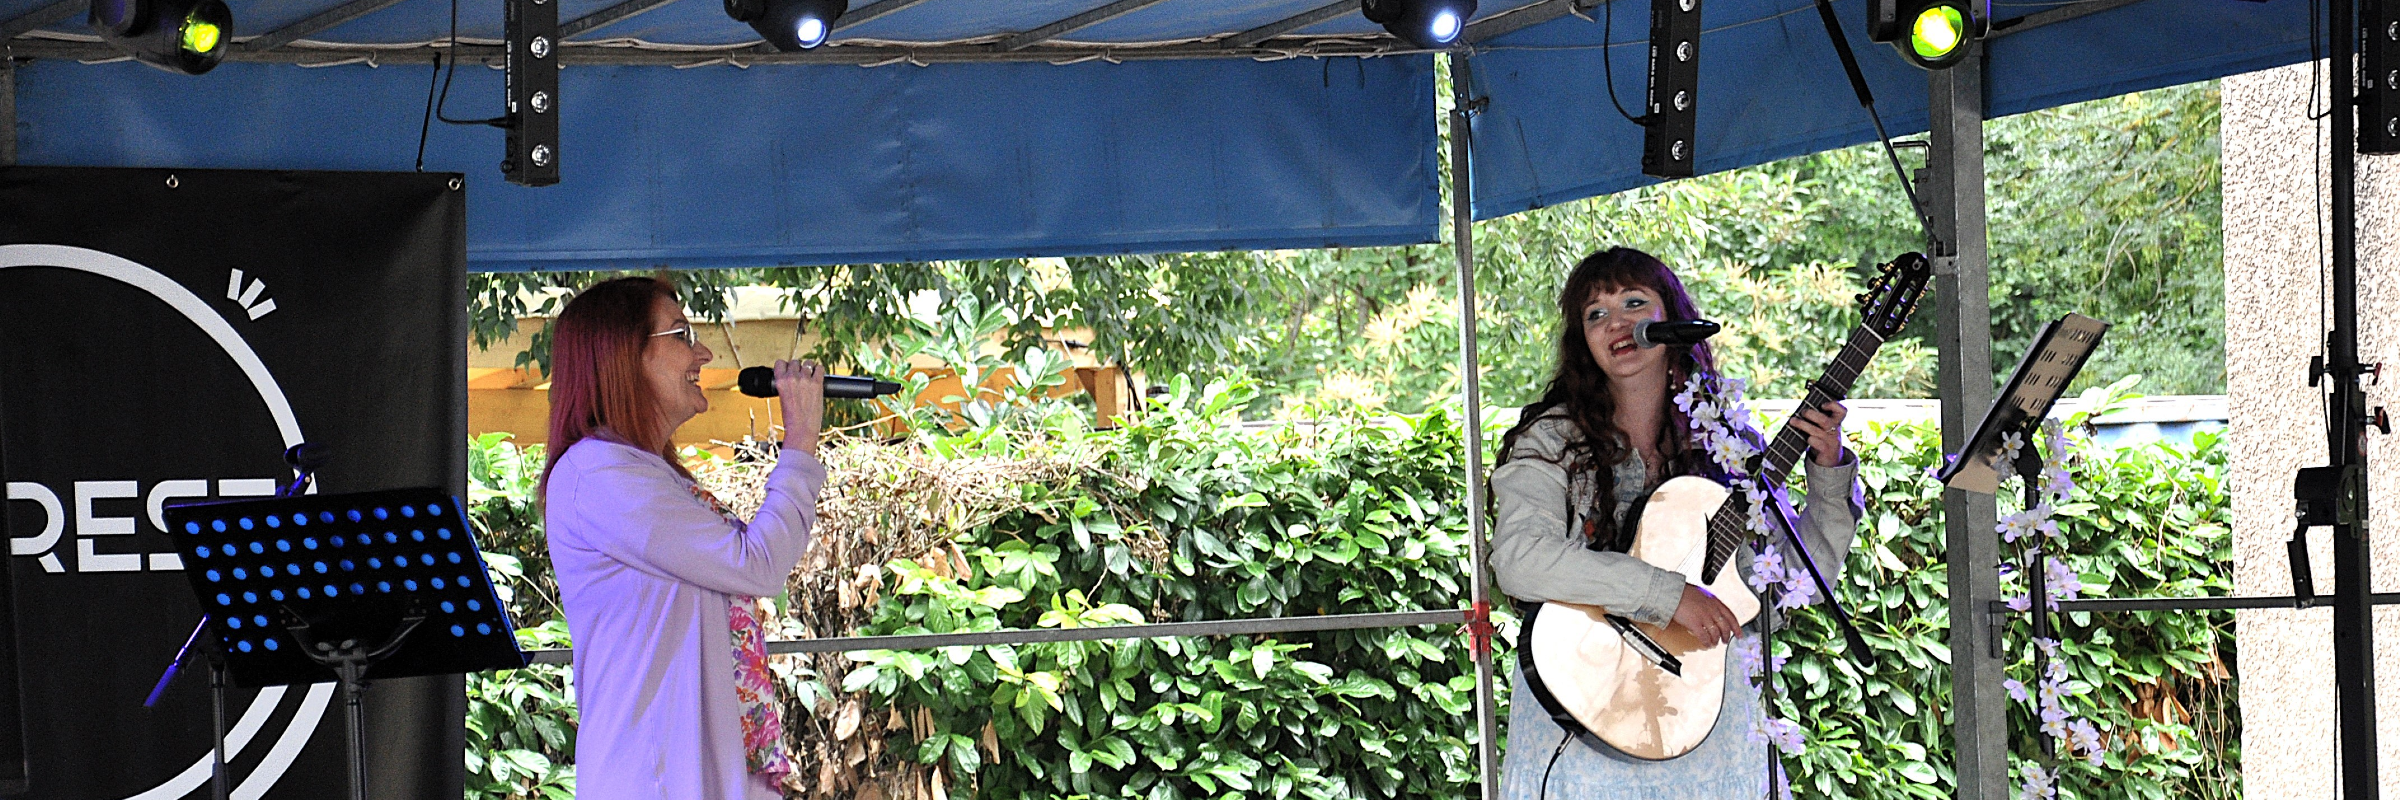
{"type": "Point", "coordinates": [1230, 627]}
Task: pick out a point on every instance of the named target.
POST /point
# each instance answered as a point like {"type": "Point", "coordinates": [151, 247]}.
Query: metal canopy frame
{"type": "Point", "coordinates": [1952, 182]}
{"type": "Point", "coordinates": [1272, 41]}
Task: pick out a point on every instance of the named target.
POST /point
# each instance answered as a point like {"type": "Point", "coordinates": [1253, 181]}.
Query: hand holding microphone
{"type": "Point", "coordinates": [801, 386]}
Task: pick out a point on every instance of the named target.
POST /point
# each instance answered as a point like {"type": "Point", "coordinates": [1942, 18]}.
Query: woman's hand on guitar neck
{"type": "Point", "coordinates": [1823, 426]}
{"type": "Point", "coordinates": [1706, 617]}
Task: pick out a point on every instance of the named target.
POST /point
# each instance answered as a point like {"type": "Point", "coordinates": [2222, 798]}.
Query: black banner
{"type": "Point", "coordinates": [164, 335]}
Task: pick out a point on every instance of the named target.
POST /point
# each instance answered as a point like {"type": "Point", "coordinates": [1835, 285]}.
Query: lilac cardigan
{"type": "Point", "coordinates": [646, 570]}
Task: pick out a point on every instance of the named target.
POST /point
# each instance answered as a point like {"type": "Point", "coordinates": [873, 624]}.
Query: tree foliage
{"type": "Point", "coordinates": [2109, 207]}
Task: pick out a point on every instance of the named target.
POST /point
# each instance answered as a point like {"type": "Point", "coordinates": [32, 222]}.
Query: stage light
{"type": "Point", "coordinates": [789, 25]}
{"type": "Point", "coordinates": [1938, 31]}
{"type": "Point", "coordinates": [1670, 125]}
{"type": "Point", "coordinates": [531, 27]}
{"type": "Point", "coordinates": [186, 36]}
{"type": "Point", "coordinates": [2379, 78]}
{"type": "Point", "coordinates": [1428, 24]}
{"type": "Point", "coordinates": [1932, 34]}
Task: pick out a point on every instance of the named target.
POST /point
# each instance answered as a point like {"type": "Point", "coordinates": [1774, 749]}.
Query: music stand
{"type": "Point", "coordinates": [2051, 363]}
{"type": "Point", "coordinates": [324, 588]}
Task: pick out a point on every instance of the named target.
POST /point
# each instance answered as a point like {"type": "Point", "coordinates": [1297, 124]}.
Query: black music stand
{"type": "Point", "coordinates": [324, 588]}
{"type": "Point", "coordinates": [2051, 363]}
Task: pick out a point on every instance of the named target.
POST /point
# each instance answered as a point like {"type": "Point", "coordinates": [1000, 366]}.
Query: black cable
{"type": "Point", "coordinates": [2316, 184]}
{"type": "Point", "coordinates": [1544, 793]}
{"type": "Point", "coordinates": [1608, 66]}
{"type": "Point", "coordinates": [1866, 98]}
{"type": "Point", "coordinates": [2316, 72]}
{"type": "Point", "coordinates": [425, 128]}
{"type": "Point", "coordinates": [444, 102]}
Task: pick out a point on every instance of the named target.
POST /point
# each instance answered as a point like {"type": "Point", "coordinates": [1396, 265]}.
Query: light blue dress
{"type": "Point", "coordinates": [1730, 763]}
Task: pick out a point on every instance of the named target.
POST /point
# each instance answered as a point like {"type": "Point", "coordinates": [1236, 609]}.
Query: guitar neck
{"type": "Point", "coordinates": [1833, 386]}
{"type": "Point", "coordinates": [1729, 525]}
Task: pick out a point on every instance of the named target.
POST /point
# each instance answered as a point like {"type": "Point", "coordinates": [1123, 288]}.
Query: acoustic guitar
{"type": "Point", "coordinates": [1655, 693]}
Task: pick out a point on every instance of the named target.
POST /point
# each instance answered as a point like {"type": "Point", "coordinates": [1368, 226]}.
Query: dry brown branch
{"type": "Point", "coordinates": [880, 503]}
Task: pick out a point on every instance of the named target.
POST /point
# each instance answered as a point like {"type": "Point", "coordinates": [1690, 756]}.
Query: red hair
{"type": "Point", "coordinates": [597, 386]}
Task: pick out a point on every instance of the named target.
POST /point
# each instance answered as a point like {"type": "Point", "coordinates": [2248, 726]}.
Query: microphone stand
{"type": "Point", "coordinates": [1786, 521]}
{"type": "Point", "coordinates": [199, 643]}
{"type": "Point", "coordinates": [304, 459]}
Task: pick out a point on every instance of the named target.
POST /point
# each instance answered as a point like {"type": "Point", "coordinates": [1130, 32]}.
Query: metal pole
{"type": "Point", "coordinates": [1962, 286]}
{"type": "Point", "coordinates": [8, 112]}
{"type": "Point", "coordinates": [354, 691]}
{"type": "Point", "coordinates": [2353, 616]}
{"type": "Point", "coordinates": [1462, 237]}
{"type": "Point", "coordinates": [217, 775]}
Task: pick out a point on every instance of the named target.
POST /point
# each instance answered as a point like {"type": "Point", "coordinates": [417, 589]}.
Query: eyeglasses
{"type": "Point", "coordinates": [691, 338]}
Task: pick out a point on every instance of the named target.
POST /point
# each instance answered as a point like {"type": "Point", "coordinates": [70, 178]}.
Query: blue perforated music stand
{"type": "Point", "coordinates": [328, 587]}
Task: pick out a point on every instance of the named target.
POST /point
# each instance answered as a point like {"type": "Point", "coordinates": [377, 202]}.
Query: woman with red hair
{"type": "Point", "coordinates": [662, 585]}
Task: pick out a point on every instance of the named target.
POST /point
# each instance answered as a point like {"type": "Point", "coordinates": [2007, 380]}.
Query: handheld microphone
{"type": "Point", "coordinates": [760, 382]}
{"type": "Point", "coordinates": [1652, 333]}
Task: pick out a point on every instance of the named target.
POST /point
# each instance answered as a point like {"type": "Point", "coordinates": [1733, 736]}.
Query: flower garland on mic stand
{"type": "Point", "coordinates": [1720, 420]}
{"type": "Point", "coordinates": [2030, 533]}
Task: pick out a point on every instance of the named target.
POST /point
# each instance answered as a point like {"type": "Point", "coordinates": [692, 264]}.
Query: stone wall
{"type": "Point", "coordinates": [2272, 327]}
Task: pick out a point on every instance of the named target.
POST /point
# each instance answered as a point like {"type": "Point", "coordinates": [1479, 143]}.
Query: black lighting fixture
{"type": "Point", "coordinates": [1428, 24]}
{"type": "Point", "coordinates": [1932, 34]}
{"type": "Point", "coordinates": [789, 25]}
{"type": "Point", "coordinates": [2379, 77]}
{"type": "Point", "coordinates": [1673, 114]}
{"type": "Point", "coordinates": [532, 78]}
{"type": "Point", "coordinates": [186, 36]}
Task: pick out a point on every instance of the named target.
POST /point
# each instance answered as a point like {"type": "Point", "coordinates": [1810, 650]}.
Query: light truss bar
{"type": "Point", "coordinates": [1075, 23]}
{"type": "Point", "coordinates": [2060, 14]}
{"type": "Point", "coordinates": [1522, 18]}
{"type": "Point", "coordinates": [870, 12]}
{"type": "Point", "coordinates": [607, 16]}
{"type": "Point", "coordinates": [40, 18]}
{"type": "Point", "coordinates": [1230, 627]}
{"type": "Point", "coordinates": [1291, 23]}
{"type": "Point", "coordinates": [596, 55]}
{"type": "Point", "coordinates": [322, 20]}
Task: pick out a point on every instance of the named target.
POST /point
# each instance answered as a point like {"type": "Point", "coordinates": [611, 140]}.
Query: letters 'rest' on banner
{"type": "Point", "coordinates": [164, 335]}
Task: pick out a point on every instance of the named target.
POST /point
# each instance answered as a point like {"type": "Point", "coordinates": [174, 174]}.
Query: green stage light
{"type": "Point", "coordinates": [201, 37]}
{"type": "Point", "coordinates": [186, 36]}
{"type": "Point", "coordinates": [1937, 32]}
{"type": "Point", "coordinates": [1932, 34]}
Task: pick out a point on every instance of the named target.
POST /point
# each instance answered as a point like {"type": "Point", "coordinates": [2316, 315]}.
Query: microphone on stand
{"type": "Point", "coordinates": [1652, 333]}
{"type": "Point", "coordinates": [760, 382]}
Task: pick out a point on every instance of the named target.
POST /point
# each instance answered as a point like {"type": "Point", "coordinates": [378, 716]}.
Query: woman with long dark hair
{"type": "Point", "coordinates": [662, 585]}
{"type": "Point", "coordinates": [1605, 434]}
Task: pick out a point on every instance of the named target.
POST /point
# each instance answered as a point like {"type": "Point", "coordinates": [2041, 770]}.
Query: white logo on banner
{"type": "Point", "coordinates": [312, 707]}
{"type": "Point", "coordinates": [249, 297]}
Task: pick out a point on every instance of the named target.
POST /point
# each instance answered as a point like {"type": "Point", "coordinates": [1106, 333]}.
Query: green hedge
{"type": "Point", "coordinates": [1183, 516]}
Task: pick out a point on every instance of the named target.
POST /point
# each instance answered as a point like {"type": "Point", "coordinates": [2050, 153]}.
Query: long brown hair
{"type": "Point", "coordinates": [1580, 388]}
{"type": "Point", "coordinates": [597, 387]}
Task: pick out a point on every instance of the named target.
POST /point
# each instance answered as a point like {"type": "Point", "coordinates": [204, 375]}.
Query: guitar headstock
{"type": "Point", "coordinates": [1894, 293]}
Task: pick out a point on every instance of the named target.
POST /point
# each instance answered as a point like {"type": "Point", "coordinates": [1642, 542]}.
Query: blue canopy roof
{"type": "Point", "coordinates": [1771, 86]}
{"type": "Point", "coordinates": [1033, 127]}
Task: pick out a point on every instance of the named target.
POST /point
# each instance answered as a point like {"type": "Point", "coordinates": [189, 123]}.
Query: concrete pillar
{"type": "Point", "coordinates": [2273, 280]}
